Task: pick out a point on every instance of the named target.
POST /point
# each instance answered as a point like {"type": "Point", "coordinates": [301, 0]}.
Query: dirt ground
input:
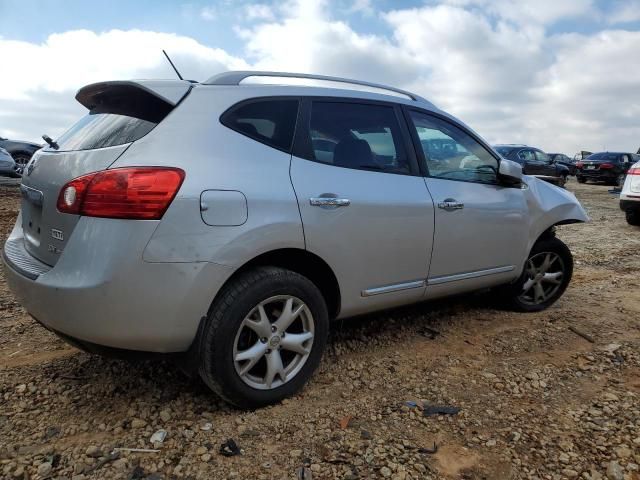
{"type": "Point", "coordinates": [537, 400]}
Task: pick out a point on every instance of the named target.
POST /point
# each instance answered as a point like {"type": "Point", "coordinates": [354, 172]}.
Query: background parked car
{"type": "Point", "coordinates": [581, 155]}
{"type": "Point", "coordinates": [609, 167]}
{"type": "Point", "coordinates": [20, 151]}
{"type": "Point", "coordinates": [563, 159]}
{"type": "Point", "coordinates": [630, 195]}
{"type": "Point", "coordinates": [534, 161]}
{"type": "Point", "coordinates": [7, 164]}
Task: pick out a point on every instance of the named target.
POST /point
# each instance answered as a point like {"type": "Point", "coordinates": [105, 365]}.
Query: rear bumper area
{"type": "Point", "coordinates": [630, 205]}
{"type": "Point", "coordinates": [603, 176]}
{"type": "Point", "coordinates": [101, 291]}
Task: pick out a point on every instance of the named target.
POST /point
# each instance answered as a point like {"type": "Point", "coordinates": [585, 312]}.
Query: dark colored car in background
{"type": "Point", "coordinates": [20, 151]}
{"type": "Point", "coordinates": [609, 167]}
{"type": "Point", "coordinates": [534, 162]}
{"type": "Point", "coordinates": [563, 159]}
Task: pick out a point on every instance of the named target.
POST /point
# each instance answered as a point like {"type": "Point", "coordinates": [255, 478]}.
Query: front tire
{"type": "Point", "coordinates": [263, 338]}
{"type": "Point", "coordinates": [546, 275]}
{"type": "Point", "coordinates": [633, 217]}
{"type": "Point", "coordinates": [581, 179]}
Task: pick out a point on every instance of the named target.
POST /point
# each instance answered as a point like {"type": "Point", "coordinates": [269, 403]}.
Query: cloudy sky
{"type": "Point", "coordinates": [563, 75]}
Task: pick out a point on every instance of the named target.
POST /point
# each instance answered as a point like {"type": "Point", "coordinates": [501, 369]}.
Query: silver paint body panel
{"type": "Point", "coordinates": [145, 285]}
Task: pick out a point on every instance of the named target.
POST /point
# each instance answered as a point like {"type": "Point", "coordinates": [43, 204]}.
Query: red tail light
{"type": "Point", "coordinates": [606, 166]}
{"type": "Point", "coordinates": [634, 171]}
{"type": "Point", "coordinates": [139, 193]}
{"type": "Point", "coordinates": [579, 164]}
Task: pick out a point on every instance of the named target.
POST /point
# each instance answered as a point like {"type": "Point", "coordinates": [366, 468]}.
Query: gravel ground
{"type": "Point", "coordinates": [537, 400]}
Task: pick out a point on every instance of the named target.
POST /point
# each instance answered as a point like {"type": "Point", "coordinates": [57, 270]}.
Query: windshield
{"type": "Point", "coordinates": [504, 151]}
{"type": "Point", "coordinates": [603, 156]}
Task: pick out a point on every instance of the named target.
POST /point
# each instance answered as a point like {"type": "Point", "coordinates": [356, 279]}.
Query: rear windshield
{"type": "Point", "coordinates": [118, 114]}
{"type": "Point", "coordinates": [504, 151]}
{"type": "Point", "coordinates": [604, 156]}
{"type": "Point", "coordinates": [99, 130]}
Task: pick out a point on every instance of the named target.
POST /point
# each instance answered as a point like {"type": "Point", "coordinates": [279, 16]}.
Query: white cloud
{"type": "Point", "coordinates": [51, 72]}
{"type": "Point", "coordinates": [209, 13]}
{"type": "Point", "coordinates": [259, 11]}
{"type": "Point", "coordinates": [525, 11]}
{"type": "Point", "coordinates": [362, 6]}
{"type": "Point", "coordinates": [625, 11]}
{"type": "Point", "coordinates": [493, 64]}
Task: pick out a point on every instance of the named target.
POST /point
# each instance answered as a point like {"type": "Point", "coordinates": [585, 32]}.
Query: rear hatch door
{"type": "Point", "coordinates": [119, 114]}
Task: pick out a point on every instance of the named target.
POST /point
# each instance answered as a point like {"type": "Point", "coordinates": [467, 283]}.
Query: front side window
{"type": "Point", "coordinates": [526, 156]}
{"type": "Point", "coordinates": [542, 157]}
{"type": "Point", "coordinates": [359, 136]}
{"type": "Point", "coordinates": [269, 121]}
{"type": "Point", "coordinates": [452, 153]}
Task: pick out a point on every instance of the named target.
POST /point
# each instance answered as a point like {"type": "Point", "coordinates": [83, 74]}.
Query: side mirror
{"type": "Point", "coordinates": [510, 172]}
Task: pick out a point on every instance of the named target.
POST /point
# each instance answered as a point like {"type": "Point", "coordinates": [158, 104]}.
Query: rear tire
{"type": "Point", "coordinates": [581, 179]}
{"type": "Point", "coordinates": [546, 275]}
{"type": "Point", "coordinates": [633, 217]}
{"type": "Point", "coordinates": [249, 315]}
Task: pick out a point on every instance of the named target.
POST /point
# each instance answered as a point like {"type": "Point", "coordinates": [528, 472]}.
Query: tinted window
{"type": "Point", "coordinates": [452, 153]}
{"type": "Point", "coordinates": [612, 157]}
{"type": "Point", "coordinates": [268, 121]}
{"type": "Point", "coordinates": [99, 130]}
{"type": "Point", "coordinates": [541, 156]}
{"type": "Point", "coordinates": [526, 156]}
{"type": "Point", "coordinates": [504, 151]}
{"type": "Point", "coordinates": [357, 136]}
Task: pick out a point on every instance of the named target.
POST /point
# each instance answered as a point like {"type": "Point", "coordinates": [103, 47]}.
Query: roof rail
{"type": "Point", "coordinates": [235, 77]}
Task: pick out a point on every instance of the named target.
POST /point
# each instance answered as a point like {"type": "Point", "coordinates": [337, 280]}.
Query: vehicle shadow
{"type": "Point", "coordinates": [159, 382]}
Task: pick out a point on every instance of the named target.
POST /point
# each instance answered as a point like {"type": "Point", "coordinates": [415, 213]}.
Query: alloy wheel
{"type": "Point", "coordinates": [544, 274]}
{"type": "Point", "coordinates": [273, 342]}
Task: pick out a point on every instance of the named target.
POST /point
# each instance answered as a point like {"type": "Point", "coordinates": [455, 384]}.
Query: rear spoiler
{"type": "Point", "coordinates": [150, 100]}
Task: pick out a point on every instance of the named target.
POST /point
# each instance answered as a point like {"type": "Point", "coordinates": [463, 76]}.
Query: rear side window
{"type": "Point", "coordinates": [359, 136]}
{"type": "Point", "coordinates": [271, 121]}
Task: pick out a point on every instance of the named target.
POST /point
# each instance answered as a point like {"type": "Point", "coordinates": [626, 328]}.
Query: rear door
{"type": "Point", "coordinates": [119, 114]}
{"type": "Point", "coordinates": [365, 208]}
{"type": "Point", "coordinates": [528, 160]}
{"type": "Point", "coordinates": [480, 226]}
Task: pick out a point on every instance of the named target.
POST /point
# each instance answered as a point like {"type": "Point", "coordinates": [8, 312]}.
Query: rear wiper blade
{"type": "Point", "coordinates": [51, 143]}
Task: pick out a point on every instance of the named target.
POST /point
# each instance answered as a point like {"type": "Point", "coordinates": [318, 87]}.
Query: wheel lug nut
{"type": "Point", "coordinates": [268, 350]}
{"type": "Point", "coordinates": [273, 328]}
{"type": "Point", "coordinates": [263, 340]}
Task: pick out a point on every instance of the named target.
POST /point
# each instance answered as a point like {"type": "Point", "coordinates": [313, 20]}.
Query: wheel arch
{"type": "Point", "coordinates": [300, 261]}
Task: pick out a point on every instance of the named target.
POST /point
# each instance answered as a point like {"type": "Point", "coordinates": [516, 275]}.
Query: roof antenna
{"type": "Point", "coordinates": [172, 65]}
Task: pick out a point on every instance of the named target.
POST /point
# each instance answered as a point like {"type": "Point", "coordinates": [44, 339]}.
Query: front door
{"type": "Point", "coordinates": [480, 226]}
{"type": "Point", "coordinates": [365, 208]}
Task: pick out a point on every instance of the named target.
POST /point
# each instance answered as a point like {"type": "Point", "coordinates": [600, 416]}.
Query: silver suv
{"type": "Point", "coordinates": [231, 221]}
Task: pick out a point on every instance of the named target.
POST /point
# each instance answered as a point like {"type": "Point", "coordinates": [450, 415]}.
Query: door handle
{"type": "Point", "coordinates": [329, 202]}
{"type": "Point", "coordinates": [450, 204]}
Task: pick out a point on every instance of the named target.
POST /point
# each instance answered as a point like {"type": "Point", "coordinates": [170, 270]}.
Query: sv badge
{"type": "Point", "coordinates": [57, 234]}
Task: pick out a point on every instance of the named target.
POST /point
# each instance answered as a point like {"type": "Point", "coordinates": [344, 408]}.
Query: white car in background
{"type": "Point", "coordinates": [630, 195]}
